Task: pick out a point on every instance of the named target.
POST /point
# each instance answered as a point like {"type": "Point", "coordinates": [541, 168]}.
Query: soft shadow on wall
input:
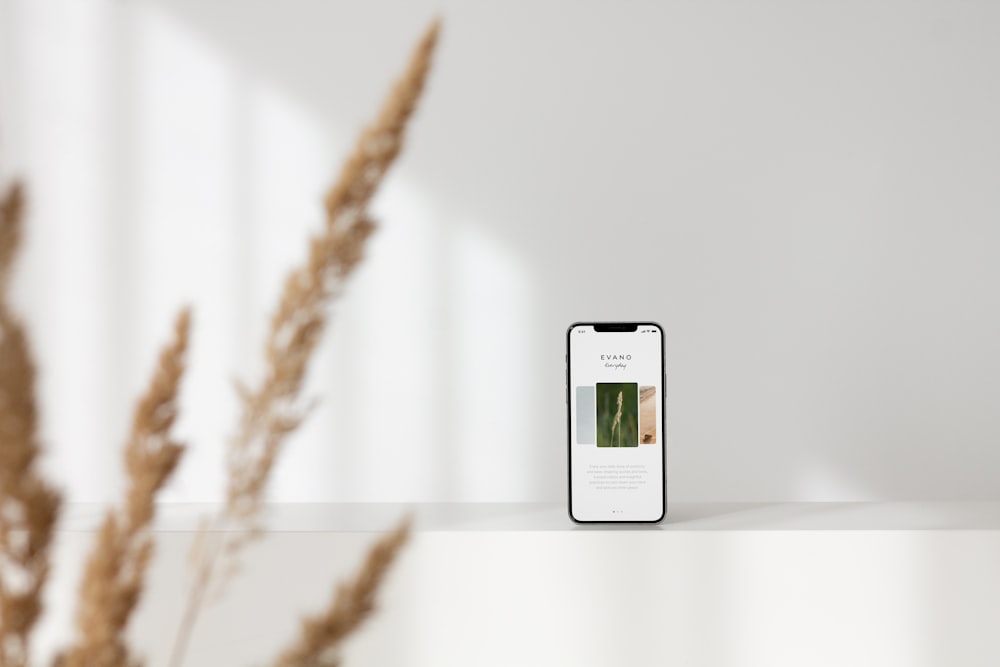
{"type": "Point", "coordinates": [207, 179]}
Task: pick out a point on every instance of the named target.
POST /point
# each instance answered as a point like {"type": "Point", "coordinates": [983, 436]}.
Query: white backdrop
{"type": "Point", "coordinates": [805, 195]}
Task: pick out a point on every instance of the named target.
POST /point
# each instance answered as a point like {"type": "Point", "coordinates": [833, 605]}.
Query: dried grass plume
{"type": "Point", "coordinates": [28, 505]}
{"type": "Point", "coordinates": [321, 636]}
{"type": "Point", "coordinates": [115, 571]}
{"type": "Point", "coordinates": [273, 408]}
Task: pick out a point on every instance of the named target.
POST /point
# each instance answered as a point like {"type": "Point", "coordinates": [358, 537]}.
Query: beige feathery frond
{"type": "Point", "coordinates": [115, 572]}
{"type": "Point", "coordinates": [617, 421]}
{"type": "Point", "coordinates": [273, 409]}
{"type": "Point", "coordinates": [29, 506]}
{"type": "Point", "coordinates": [12, 208]}
{"type": "Point", "coordinates": [321, 636]}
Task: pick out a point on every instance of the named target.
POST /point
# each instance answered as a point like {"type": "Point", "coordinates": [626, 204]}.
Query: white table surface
{"type": "Point", "coordinates": [728, 585]}
{"type": "Point", "coordinates": [366, 517]}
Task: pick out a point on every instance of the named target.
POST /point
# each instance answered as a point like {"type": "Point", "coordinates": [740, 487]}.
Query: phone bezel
{"type": "Point", "coordinates": [615, 326]}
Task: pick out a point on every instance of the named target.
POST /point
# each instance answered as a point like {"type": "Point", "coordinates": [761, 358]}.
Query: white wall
{"type": "Point", "coordinates": [804, 195]}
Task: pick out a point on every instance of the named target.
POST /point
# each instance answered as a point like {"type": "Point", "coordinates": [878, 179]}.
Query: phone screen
{"type": "Point", "coordinates": [615, 392]}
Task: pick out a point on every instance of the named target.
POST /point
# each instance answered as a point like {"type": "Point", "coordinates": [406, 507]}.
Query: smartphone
{"type": "Point", "coordinates": [616, 394]}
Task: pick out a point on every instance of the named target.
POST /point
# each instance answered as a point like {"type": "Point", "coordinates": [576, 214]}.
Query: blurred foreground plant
{"type": "Point", "coordinates": [114, 575]}
{"type": "Point", "coordinates": [28, 504]}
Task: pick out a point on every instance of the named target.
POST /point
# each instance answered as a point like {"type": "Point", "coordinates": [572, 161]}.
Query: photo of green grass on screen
{"type": "Point", "coordinates": [617, 414]}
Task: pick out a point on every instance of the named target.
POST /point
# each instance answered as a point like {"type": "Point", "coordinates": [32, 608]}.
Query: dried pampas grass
{"type": "Point", "coordinates": [115, 572]}
{"type": "Point", "coordinates": [114, 575]}
{"type": "Point", "coordinates": [273, 409]}
{"type": "Point", "coordinates": [28, 505]}
{"type": "Point", "coordinates": [321, 635]}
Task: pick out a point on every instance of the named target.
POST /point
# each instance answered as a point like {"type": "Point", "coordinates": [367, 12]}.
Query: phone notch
{"type": "Point", "coordinates": [616, 326]}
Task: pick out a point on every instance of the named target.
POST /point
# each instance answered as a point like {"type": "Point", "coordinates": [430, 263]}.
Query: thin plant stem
{"type": "Point", "coordinates": [202, 580]}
